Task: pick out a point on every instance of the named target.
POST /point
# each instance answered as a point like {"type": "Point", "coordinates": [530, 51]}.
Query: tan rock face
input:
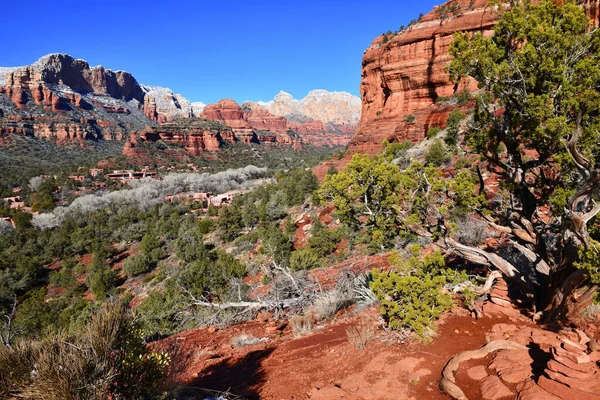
{"type": "Point", "coordinates": [62, 131]}
{"type": "Point", "coordinates": [261, 119]}
{"type": "Point", "coordinates": [405, 75]}
{"type": "Point", "coordinates": [162, 105]}
{"type": "Point", "coordinates": [336, 108]}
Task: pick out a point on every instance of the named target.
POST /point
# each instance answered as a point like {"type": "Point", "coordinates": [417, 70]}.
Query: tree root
{"type": "Point", "coordinates": [448, 382]}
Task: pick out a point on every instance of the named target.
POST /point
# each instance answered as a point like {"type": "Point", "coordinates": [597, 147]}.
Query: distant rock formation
{"type": "Point", "coordinates": [195, 135]}
{"type": "Point", "coordinates": [253, 123]}
{"type": "Point", "coordinates": [63, 98]}
{"type": "Point", "coordinates": [231, 114]}
{"type": "Point", "coordinates": [162, 105]}
{"type": "Point", "coordinates": [339, 111]}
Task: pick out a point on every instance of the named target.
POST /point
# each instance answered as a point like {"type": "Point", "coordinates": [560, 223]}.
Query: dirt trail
{"type": "Point", "coordinates": [324, 365]}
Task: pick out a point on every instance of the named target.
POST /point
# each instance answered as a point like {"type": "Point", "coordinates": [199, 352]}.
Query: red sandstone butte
{"type": "Point", "coordinates": [405, 75]}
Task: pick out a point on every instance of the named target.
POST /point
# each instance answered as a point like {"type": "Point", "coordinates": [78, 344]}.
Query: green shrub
{"type": "Point", "coordinates": [100, 281]}
{"type": "Point", "coordinates": [411, 296]}
{"type": "Point", "coordinates": [205, 225]}
{"type": "Point", "coordinates": [304, 259]}
{"type": "Point", "coordinates": [368, 187]}
{"type": "Point", "coordinates": [64, 278]}
{"type": "Point", "coordinates": [323, 242]}
{"type": "Point", "coordinates": [453, 126]}
{"type": "Point", "coordinates": [210, 277]}
{"type": "Point", "coordinates": [413, 302]}
{"type": "Point", "coordinates": [409, 119]}
{"type": "Point", "coordinates": [212, 210]}
{"type": "Point", "coordinates": [332, 170]}
{"type": "Point", "coordinates": [160, 311]}
{"type": "Point", "coordinates": [151, 245]}
{"type": "Point", "coordinates": [138, 264]}
{"type": "Point", "coordinates": [433, 131]}
{"type": "Point", "coordinates": [189, 245]}
{"type": "Point", "coordinates": [463, 97]}
{"type": "Point", "coordinates": [231, 223]}
{"type": "Point", "coordinates": [437, 154]}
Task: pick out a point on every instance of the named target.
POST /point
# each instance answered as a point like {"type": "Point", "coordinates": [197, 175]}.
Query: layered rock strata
{"type": "Point", "coordinates": [403, 73]}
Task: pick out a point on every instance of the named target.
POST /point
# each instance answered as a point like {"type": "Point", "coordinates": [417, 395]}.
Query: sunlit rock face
{"type": "Point", "coordinates": [403, 74]}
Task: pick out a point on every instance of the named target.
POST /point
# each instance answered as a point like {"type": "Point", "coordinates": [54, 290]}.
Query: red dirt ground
{"type": "Point", "coordinates": [324, 365]}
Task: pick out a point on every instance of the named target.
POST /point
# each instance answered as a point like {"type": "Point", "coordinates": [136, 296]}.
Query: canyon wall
{"type": "Point", "coordinates": [195, 135]}
{"type": "Point", "coordinates": [403, 73]}
{"type": "Point", "coordinates": [403, 76]}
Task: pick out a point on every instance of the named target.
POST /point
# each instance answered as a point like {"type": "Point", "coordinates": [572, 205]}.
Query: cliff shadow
{"type": "Point", "coordinates": [430, 86]}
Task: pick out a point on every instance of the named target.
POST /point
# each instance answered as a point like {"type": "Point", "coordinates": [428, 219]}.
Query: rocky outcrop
{"type": "Point", "coordinates": [162, 105]}
{"type": "Point", "coordinates": [77, 75]}
{"type": "Point", "coordinates": [60, 84]}
{"type": "Point", "coordinates": [195, 135]}
{"type": "Point", "coordinates": [261, 119]}
{"type": "Point", "coordinates": [231, 114]}
{"type": "Point", "coordinates": [66, 99]}
{"type": "Point", "coordinates": [403, 73]}
{"type": "Point", "coordinates": [550, 365]}
{"type": "Point", "coordinates": [254, 123]}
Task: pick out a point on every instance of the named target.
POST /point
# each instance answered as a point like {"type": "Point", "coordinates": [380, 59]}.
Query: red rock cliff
{"type": "Point", "coordinates": [195, 135]}
{"type": "Point", "coordinates": [231, 114]}
{"type": "Point", "coordinates": [403, 75]}
{"type": "Point", "coordinates": [62, 69]}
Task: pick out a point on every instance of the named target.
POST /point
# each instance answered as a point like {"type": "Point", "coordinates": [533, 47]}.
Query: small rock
{"type": "Point", "coordinates": [501, 302]}
{"type": "Point", "coordinates": [515, 375]}
{"type": "Point", "coordinates": [555, 366]}
{"type": "Point", "coordinates": [477, 373]}
{"type": "Point", "coordinates": [212, 329]}
{"type": "Point", "coordinates": [576, 357]}
{"type": "Point", "coordinates": [583, 337]}
{"type": "Point", "coordinates": [571, 344]}
{"type": "Point", "coordinates": [495, 309]}
{"type": "Point", "coordinates": [585, 368]}
{"type": "Point", "coordinates": [509, 359]}
{"type": "Point", "coordinates": [492, 389]}
{"type": "Point", "coordinates": [563, 391]}
{"type": "Point", "coordinates": [529, 390]}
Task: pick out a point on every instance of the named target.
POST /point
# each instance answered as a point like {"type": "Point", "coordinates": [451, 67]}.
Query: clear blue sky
{"type": "Point", "coordinates": [208, 50]}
